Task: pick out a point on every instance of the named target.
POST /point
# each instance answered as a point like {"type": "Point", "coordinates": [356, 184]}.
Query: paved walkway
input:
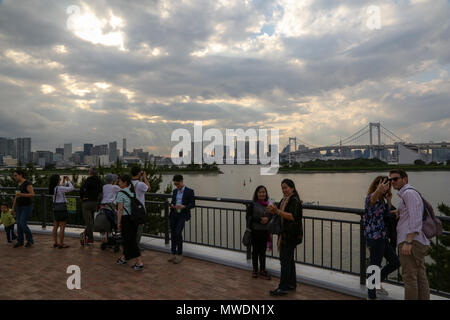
{"type": "Point", "coordinates": [40, 273]}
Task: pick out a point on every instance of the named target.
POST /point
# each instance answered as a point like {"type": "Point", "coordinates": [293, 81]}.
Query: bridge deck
{"type": "Point", "coordinates": [40, 273]}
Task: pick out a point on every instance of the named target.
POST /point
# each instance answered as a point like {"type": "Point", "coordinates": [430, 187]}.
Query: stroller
{"type": "Point", "coordinates": [106, 221]}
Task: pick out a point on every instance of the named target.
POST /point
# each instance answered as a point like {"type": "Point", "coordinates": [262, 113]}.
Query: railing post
{"type": "Point", "coordinates": [249, 247]}
{"type": "Point", "coordinates": [362, 253]}
{"type": "Point", "coordinates": [44, 211]}
{"type": "Point", "coordinates": [166, 220]}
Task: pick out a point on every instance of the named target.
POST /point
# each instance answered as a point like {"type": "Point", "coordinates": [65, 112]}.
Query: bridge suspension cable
{"type": "Point", "coordinates": [393, 134]}
{"type": "Point", "coordinates": [349, 138]}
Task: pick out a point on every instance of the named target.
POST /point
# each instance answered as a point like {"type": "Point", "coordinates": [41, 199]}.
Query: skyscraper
{"type": "Point", "coordinates": [67, 151]}
{"type": "Point", "coordinates": [124, 147]}
{"type": "Point", "coordinates": [23, 150]}
{"type": "Point", "coordinates": [87, 149]}
{"type": "Point", "coordinates": [11, 146]}
{"type": "Point", "coordinates": [100, 150]}
{"type": "Point", "coordinates": [113, 151]}
{"type": "Point", "coordinates": [3, 146]}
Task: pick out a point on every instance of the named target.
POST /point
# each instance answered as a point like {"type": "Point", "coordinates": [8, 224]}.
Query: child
{"type": "Point", "coordinates": [8, 221]}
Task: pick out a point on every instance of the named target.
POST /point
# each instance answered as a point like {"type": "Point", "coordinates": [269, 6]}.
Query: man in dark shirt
{"type": "Point", "coordinates": [183, 200]}
{"type": "Point", "coordinates": [90, 195]}
{"type": "Point", "coordinates": [23, 207]}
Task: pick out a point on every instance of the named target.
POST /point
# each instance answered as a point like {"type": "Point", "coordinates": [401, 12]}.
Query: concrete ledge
{"type": "Point", "coordinates": [331, 280]}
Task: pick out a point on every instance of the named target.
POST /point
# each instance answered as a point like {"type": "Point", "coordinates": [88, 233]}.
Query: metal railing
{"type": "Point", "coordinates": [336, 244]}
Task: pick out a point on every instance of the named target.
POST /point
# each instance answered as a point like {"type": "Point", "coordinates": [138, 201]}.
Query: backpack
{"type": "Point", "coordinates": [138, 213]}
{"type": "Point", "coordinates": [431, 226]}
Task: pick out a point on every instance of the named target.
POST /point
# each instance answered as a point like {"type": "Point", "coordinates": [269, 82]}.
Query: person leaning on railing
{"type": "Point", "coordinates": [291, 212]}
{"type": "Point", "coordinates": [377, 212]}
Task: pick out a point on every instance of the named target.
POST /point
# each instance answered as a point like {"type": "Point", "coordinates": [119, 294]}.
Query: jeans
{"type": "Point", "coordinates": [10, 234]}
{"type": "Point", "coordinates": [89, 207]}
{"type": "Point", "coordinates": [378, 249]}
{"type": "Point", "coordinates": [413, 272]}
{"type": "Point", "coordinates": [259, 247]}
{"type": "Point", "coordinates": [177, 222]}
{"type": "Point", "coordinates": [23, 213]}
{"type": "Point", "coordinates": [288, 278]}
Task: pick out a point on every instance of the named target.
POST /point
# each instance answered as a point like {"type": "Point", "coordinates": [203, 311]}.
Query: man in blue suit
{"type": "Point", "coordinates": [183, 200]}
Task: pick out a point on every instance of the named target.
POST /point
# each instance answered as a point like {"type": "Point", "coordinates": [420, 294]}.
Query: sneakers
{"type": "Point", "coordinates": [17, 245]}
{"type": "Point", "coordinates": [89, 243]}
{"type": "Point", "coordinates": [255, 274]}
{"type": "Point", "coordinates": [120, 261]}
{"type": "Point", "coordinates": [138, 267]}
{"type": "Point", "coordinates": [382, 292]}
{"type": "Point", "coordinates": [178, 259]}
{"type": "Point", "coordinates": [172, 258]}
{"type": "Point", "coordinates": [28, 245]}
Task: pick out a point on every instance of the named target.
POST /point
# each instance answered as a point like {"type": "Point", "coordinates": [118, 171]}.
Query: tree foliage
{"type": "Point", "coordinates": [439, 271]}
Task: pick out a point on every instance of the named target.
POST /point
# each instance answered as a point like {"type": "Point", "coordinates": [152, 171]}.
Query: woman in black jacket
{"type": "Point", "coordinates": [257, 219]}
{"type": "Point", "coordinates": [290, 211]}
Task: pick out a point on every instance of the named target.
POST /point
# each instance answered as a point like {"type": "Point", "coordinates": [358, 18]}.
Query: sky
{"type": "Point", "coordinates": [319, 70]}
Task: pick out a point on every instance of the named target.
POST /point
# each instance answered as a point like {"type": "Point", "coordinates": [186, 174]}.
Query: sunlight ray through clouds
{"type": "Point", "coordinates": [86, 25]}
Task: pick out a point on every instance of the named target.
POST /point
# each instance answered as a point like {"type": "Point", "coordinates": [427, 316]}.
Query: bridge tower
{"type": "Point", "coordinates": [295, 147]}
{"type": "Point", "coordinates": [378, 127]}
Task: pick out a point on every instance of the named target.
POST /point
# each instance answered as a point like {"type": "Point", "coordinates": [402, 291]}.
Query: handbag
{"type": "Point", "coordinates": [246, 239]}
{"type": "Point", "coordinates": [58, 206]}
{"type": "Point", "coordinates": [274, 225]}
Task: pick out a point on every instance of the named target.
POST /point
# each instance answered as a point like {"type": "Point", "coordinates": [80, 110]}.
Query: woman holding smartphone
{"type": "Point", "coordinates": [291, 213]}
{"type": "Point", "coordinates": [60, 213]}
{"type": "Point", "coordinates": [257, 219]}
{"type": "Point", "coordinates": [377, 208]}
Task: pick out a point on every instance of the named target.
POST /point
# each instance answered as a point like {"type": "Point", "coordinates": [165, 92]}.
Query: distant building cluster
{"type": "Point", "coordinates": [19, 151]}
{"type": "Point", "coordinates": [242, 152]}
{"type": "Point", "coordinates": [401, 153]}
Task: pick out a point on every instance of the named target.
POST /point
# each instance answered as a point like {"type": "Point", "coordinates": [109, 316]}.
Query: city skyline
{"type": "Point", "coordinates": [312, 69]}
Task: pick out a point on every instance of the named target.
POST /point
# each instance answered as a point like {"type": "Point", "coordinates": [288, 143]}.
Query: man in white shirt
{"type": "Point", "coordinates": [141, 186]}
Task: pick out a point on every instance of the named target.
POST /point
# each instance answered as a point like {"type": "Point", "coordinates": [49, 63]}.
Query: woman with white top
{"type": "Point", "coordinates": [110, 190]}
{"type": "Point", "coordinates": [60, 213]}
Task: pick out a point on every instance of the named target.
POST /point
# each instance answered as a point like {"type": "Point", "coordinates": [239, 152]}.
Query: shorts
{"type": "Point", "coordinates": [60, 216]}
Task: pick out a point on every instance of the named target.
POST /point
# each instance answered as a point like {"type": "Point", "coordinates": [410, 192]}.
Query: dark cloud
{"type": "Point", "coordinates": [367, 69]}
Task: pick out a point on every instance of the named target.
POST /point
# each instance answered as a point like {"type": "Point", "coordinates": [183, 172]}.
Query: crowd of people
{"type": "Point", "coordinates": [386, 228]}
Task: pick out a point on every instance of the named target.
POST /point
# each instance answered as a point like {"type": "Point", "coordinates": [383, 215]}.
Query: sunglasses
{"type": "Point", "coordinates": [394, 179]}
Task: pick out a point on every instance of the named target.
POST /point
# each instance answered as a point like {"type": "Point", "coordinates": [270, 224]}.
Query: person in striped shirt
{"type": "Point", "coordinates": [412, 243]}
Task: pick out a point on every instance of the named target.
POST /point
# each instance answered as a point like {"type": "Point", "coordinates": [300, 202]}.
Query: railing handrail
{"type": "Point", "coordinates": [355, 211]}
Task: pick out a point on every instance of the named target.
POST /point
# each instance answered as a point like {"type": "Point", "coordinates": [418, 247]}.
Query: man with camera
{"type": "Point", "coordinates": [141, 185]}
